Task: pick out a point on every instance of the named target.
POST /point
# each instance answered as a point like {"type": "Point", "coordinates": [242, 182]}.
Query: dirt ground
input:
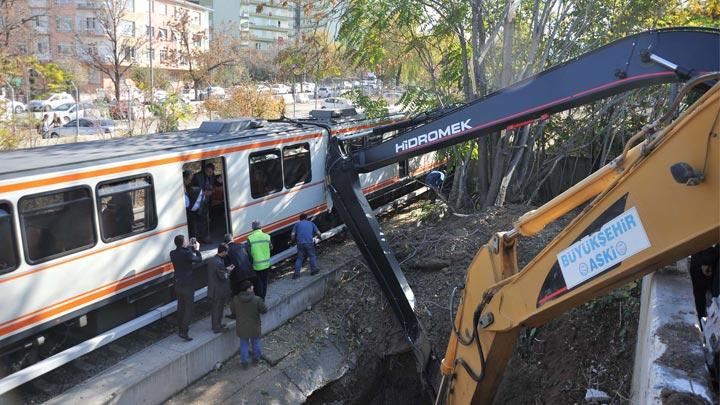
{"type": "Point", "coordinates": [589, 347]}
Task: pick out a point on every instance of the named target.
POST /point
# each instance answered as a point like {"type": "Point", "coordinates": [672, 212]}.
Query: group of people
{"type": "Point", "coordinates": [203, 191]}
{"type": "Point", "coordinates": [49, 123]}
{"type": "Point", "coordinates": [238, 276]}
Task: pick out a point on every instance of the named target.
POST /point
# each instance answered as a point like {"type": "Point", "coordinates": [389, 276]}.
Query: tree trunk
{"type": "Point", "coordinates": [116, 82]}
{"type": "Point", "coordinates": [467, 91]}
{"type": "Point", "coordinates": [502, 192]}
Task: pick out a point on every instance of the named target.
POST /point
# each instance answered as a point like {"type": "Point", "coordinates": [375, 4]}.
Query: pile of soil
{"type": "Point", "coordinates": [589, 347]}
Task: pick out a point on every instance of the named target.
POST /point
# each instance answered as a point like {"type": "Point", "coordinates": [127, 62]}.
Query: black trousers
{"type": "Point", "coordinates": [260, 283]}
{"type": "Point", "coordinates": [217, 311]}
{"type": "Point", "coordinates": [185, 298]}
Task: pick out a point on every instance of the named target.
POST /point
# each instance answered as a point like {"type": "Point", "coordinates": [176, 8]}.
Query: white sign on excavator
{"type": "Point", "coordinates": [620, 238]}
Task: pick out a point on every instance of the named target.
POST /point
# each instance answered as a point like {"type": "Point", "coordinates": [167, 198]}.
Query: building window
{"type": "Point", "coordinates": [64, 49]}
{"type": "Point", "coordinates": [130, 5]}
{"type": "Point", "coordinates": [8, 246]}
{"type": "Point", "coordinates": [151, 54]}
{"type": "Point", "coordinates": [64, 23]}
{"type": "Point", "coordinates": [127, 28]}
{"type": "Point", "coordinates": [163, 55]}
{"type": "Point", "coordinates": [95, 77]}
{"type": "Point", "coordinates": [162, 33]}
{"type": "Point", "coordinates": [126, 207]}
{"type": "Point", "coordinates": [90, 24]}
{"type": "Point", "coordinates": [62, 2]}
{"type": "Point", "coordinates": [150, 31]}
{"type": "Point", "coordinates": [43, 46]}
{"type": "Point", "coordinates": [57, 224]}
{"type": "Point", "coordinates": [296, 165]}
{"type": "Point", "coordinates": [40, 22]}
{"type": "Point", "coordinates": [129, 52]}
{"type": "Point", "coordinates": [265, 173]}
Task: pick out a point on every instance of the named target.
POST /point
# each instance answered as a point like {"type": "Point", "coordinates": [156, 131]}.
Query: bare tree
{"type": "Point", "coordinates": [223, 49]}
{"type": "Point", "coordinates": [115, 54]}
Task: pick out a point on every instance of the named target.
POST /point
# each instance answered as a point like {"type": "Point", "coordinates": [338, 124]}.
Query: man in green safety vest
{"type": "Point", "coordinates": [259, 243]}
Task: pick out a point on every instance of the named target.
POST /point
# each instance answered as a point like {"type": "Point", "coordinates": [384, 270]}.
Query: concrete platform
{"type": "Point", "coordinates": [669, 359]}
{"type": "Point", "coordinates": [156, 373]}
{"type": "Point", "coordinates": [300, 357]}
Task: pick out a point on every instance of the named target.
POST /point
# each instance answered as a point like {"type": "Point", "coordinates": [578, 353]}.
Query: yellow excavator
{"type": "Point", "coordinates": [657, 202]}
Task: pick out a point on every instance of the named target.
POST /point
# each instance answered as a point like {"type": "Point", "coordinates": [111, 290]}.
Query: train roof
{"type": "Point", "coordinates": [81, 154]}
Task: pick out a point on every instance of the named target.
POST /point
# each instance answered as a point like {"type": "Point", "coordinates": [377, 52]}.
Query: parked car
{"type": "Point", "coordinates": [308, 87]}
{"type": "Point", "coordinates": [15, 106]}
{"type": "Point", "coordinates": [214, 92]}
{"type": "Point", "coordinates": [332, 103]}
{"type": "Point", "coordinates": [261, 88]}
{"type": "Point", "coordinates": [68, 111]}
{"type": "Point", "coordinates": [347, 85]}
{"type": "Point", "coordinates": [280, 89]}
{"type": "Point", "coordinates": [324, 92]}
{"type": "Point", "coordinates": [55, 100]}
{"type": "Point", "coordinates": [189, 94]}
{"type": "Point", "coordinates": [84, 127]}
{"type": "Point", "coordinates": [160, 96]}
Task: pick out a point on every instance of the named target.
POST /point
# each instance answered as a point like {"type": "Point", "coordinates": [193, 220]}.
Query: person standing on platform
{"type": "Point", "coordinates": [248, 326]}
{"type": "Point", "coordinates": [260, 248]}
{"type": "Point", "coordinates": [303, 234]}
{"type": "Point", "coordinates": [218, 287]}
{"type": "Point", "coordinates": [183, 258]}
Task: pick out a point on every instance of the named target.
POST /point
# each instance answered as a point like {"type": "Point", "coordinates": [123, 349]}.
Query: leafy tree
{"type": "Point", "coordinates": [246, 101]}
{"type": "Point", "coordinates": [170, 113]}
{"type": "Point", "coordinates": [141, 76]}
{"type": "Point", "coordinates": [372, 107]}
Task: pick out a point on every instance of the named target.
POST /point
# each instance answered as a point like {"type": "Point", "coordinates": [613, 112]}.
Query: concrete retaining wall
{"type": "Point", "coordinates": [669, 360]}
{"type": "Point", "coordinates": [159, 371]}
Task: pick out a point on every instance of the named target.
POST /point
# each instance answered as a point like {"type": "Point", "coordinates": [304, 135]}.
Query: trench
{"type": "Point", "coordinates": [392, 379]}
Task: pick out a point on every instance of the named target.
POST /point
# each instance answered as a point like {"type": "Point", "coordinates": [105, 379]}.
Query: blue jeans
{"type": "Point", "coordinates": [257, 352]}
{"type": "Point", "coordinates": [306, 250]}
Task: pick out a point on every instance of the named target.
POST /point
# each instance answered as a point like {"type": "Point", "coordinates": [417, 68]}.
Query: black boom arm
{"type": "Point", "coordinates": [645, 59]}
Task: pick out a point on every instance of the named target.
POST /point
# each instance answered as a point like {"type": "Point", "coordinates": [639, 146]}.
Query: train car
{"type": "Point", "coordinates": [86, 228]}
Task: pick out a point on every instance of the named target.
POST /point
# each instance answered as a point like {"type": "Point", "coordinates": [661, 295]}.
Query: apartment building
{"type": "Point", "coordinates": [268, 25]}
{"type": "Point", "coordinates": [68, 30]}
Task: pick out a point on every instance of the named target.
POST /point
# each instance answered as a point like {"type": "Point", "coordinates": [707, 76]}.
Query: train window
{"type": "Point", "coordinates": [8, 247]}
{"type": "Point", "coordinates": [126, 207]}
{"type": "Point", "coordinates": [266, 175]}
{"type": "Point", "coordinates": [57, 224]}
{"type": "Point", "coordinates": [296, 165]}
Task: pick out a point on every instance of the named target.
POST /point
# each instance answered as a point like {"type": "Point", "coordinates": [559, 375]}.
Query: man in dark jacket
{"type": "Point", "coordinates": [239, 257]}
{"type": "Point", "coordinates": [303, 233]}
{"type": "Point", "coordinates": [248, 326]}
{"type": "Point", "coordinates": [183, 258]}
{"type": "Point", "coordinates": [218, 287]}
{"type": "Point", "coordinates": [704, 276]}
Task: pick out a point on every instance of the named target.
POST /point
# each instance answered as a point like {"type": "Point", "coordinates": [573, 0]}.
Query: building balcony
{"type": "Point", "coordinates": [89, 4]}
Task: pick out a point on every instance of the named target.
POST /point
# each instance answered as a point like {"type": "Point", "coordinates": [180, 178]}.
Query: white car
{"type": "Point", "coordinates": [215, 92]}
{"type": "Point", "coordinates": [55, 100]}
{"type": "Point", "coordinates": [333, 103]}
{"type": "Point", "coordinates": [84, 127]}
{"type": "Point", "coordinates": [308, 87]}
{"type": "Point", "coordinates": [160, 96]}
{"type": "Point", "coordinates": [261, 88]}
{"type": "Point", "coordinates": [347, 85]}
{"type": "Point", "coordinates": [15, 106]}
{"type": "Point", "coordinates": [324, 92]}
{"type": "Point", "coordinates": [69, 111]}
{"type": "Point", "coordinates": [280, 89]}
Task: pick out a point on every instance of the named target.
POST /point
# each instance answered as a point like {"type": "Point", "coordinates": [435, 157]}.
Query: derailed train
{"type": "Point", "coordinates": [66, 269]}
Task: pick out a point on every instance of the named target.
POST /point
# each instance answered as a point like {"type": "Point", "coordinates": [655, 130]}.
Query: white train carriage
{"type": "Point", "coordinates": [63, 256]}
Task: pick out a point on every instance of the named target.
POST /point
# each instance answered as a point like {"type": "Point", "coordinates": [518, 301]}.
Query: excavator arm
{"type": "Point", "coordinates": [657, 205]}
{"type": "Point", "coordinates": [496, 299]}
